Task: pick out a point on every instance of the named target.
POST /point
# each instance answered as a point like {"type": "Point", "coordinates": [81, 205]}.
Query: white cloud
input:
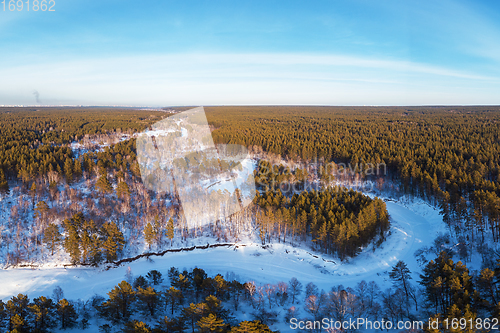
{"type": "Point", "coordinates": [261, 78]}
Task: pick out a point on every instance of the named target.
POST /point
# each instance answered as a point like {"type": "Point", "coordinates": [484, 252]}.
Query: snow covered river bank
{"type": "Point", "coordinates": [413, 225]}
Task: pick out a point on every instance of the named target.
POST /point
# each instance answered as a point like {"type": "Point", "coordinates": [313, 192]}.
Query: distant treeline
{"type": "Point", "coordinates": [31, 138]}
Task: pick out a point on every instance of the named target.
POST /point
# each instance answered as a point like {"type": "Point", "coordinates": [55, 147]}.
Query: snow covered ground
{"type": "Point", "coordinates": [414, 224]}
{"type": "Point", "coordinates": [94, 145]}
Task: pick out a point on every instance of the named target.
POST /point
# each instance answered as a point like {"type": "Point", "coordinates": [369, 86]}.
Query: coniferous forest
{"type": "Point", "coordinates": [73, 194]}
{"type": "Point", "coordinates": [447, 155]}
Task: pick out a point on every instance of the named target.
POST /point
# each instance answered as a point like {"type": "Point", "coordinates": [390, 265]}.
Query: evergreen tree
{"type": "Point", "coordinates": [198, 276]}
{"type": "Point", "coordinates": [17, 311]}
{"type": "Point", "coordinates": [86, 246]}
{"type": "Point", "coordinates": [149, 299]}
{"type": "Point", "coordinates": [59, 170]}
{"type": "Point", "coordinates": [77, 169]}
{"type": "Point", "coordinates": [103, 185]}
{"type": "Point", "coordinates": [401, 276]}
{"type": "Point", "coordinates": [113, 241]}
{"type": "Point", "coordinates": [68, 170]}
{"type": "Point", "coordinates": [41, 210]}
{"type": "Point", "coordinates": [220, 286]}
{"type": "Point", "coordinates": [122, 190]}
{"type": "Point", "coordinates": [149, 234]}
{"type": "Point", "coordinates": [43, 311]}
{"type": "Point", "coordinates": [67, 314]}
{"type": "Point", "coordinates": [173, 297]}
{"type": "Point", "coordinates": [120, 301]}
{"type": "Point", "coordinates": [52, 237]}
{"type": "Point", "coordinates": [166, 324]}
{"type": "Point", "coordinates": [140, 282]}
{"type": "Point", "coordinates": [90, 243]}
{"type": "Point", "coordinates": [489, 285]}
{"type": "Point", "coordinates": [154, 277]}
{"type": "Point", "coordinates": [173, 275]}
{"type": "Point", "coordinates": [211, 323]}
{"type": "Point", "coordinates": [72, 242]}
{"type": "Point", "coordinates": [193, 313]}
{"type": "Point", "coordinates": [158, 230]}
{"type": "Point", "coordinates": [447, 285]}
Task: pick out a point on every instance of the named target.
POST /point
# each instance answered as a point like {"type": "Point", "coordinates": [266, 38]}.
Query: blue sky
{"type": "Point", "coordinates": [155, 53]}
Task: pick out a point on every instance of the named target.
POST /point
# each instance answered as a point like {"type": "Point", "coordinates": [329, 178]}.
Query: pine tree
{"type": "Point", "coordinates": [72, 242]}
{"type": "Point", "coordinates": [52, 237]}
{"type": "Point", "coordinates": [67, 314]}
{"type": "Point", "coordinates": [154, 277]}
{"type": "Point", "coordinates": [59, 170]}
{"type": "Point", "coordinates": [41, 209]}
{"type": "Point", "coordinates": [166, 324]}
{"type": "Point", "coordinates": [113, 241]}
{"type": "Point", "coordinates": [77, 168]}
{"type": "Point", "coordinates": [140, 281]}
{"type": "Point", "coordinates": [68, 170]}
{"type": "Point", "coordinates": [158, 230]}
{"type": "Point", "coordinates": [122, 190]}
{"type": "Point", "coordinates": [149, 299]}
{"type": "Point", "coordinates": [40, 215]}
{"type": "Point", "coordinates": [489, 287]}
{"type": "Point", "coordinates": [149, 235]}
{"type": "Point", "coordinates": [182, 282]}
{"type": "Point", "coordinates": [95, 255]}
{"type": "Point", "coordinates": [211, 324]}
{"type": "Point", "coordinates": [43, 310]}
{"type": "Point", "coordinates": [220, 286]}
{"type": "Point", "coordinates": [174, 297]}
{"type": "Point", "coordinates": [120, 301]}
{"type": "Point", "coordinates": [401, 276]}
{"type": "Point", "coordinates": [103, 185]}
{"type": "Point", "coordinates": [198, 276]}
{"type": "Point", "coordinates": [17, 310]}
{"type": "Point", "coordinates": [86, 242]}
{"type": "Point", "coordinates": [90, 243]}
{"type": "Point", "coordinates": [193, 313]}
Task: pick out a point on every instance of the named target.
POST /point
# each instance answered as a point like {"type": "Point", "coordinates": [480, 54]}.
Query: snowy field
{"type": "Point", "coordinates": [413, 225]}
